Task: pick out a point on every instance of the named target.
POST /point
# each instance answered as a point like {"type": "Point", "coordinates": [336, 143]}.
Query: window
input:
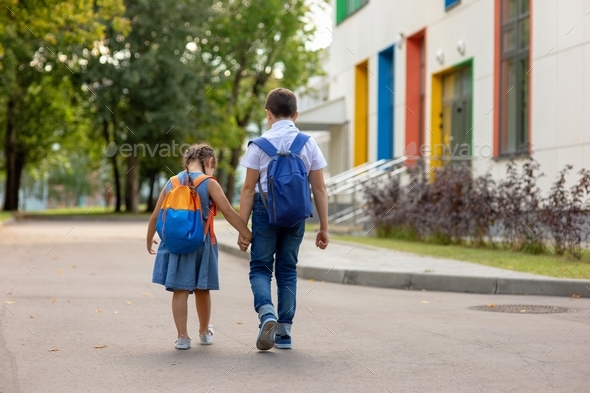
{"type": "Point", "coordinates": [451, 3]}
{"type": "Point", "coordinates": [514, 77]}
{"type": "Point", "coordinates": [345, 8]}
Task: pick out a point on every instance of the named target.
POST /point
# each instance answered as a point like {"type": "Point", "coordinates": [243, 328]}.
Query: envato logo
{"type": "Point", "coordinates": [462, 151]}
{"type": "Point", "coordinates": [145, 150]}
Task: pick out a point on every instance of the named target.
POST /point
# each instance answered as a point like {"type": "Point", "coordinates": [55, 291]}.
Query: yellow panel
{"type": "Point", "coordinates": [435, 120]}
{"type": "Point", "coordinates": [361, 118]}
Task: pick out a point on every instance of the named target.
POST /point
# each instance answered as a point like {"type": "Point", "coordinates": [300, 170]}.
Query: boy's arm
{"type": "Point", "coordinates": [248, 191]}
{"type": "Point", "coordinates": [152, 223]}
{"type": "Point", "coordinates": [320, 195]}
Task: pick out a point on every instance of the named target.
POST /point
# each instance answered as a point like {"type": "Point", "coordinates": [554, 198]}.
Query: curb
{"type": "Point", "coordinates": [439, 282]}
{"type": "Point", "coordinates": [7, 221]}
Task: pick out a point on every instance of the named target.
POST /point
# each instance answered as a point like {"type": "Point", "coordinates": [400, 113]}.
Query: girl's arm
{"type": "Point", "coordinates": [216, 193]}
{"type": "Point", "coordinates": [152, 223]}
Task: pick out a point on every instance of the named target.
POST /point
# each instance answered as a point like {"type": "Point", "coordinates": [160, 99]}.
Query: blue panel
{"type": "Point", "coordinates": [385, 104]}
{"type": "Point", "coordinates": [451, 3]}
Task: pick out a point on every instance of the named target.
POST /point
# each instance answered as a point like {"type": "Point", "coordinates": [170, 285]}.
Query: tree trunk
{"type": "Point", "coordinates": [220, 175]}
{"type": "Point", "coordinates": [113, 158]}
{"type": "Point", "coordinates": [151, 202]}
{"type": "Point", "coordinates": [132, 185]}
{"type": "Point", "coordinates": [14, 161]}
{"type": "Point", "coordinates": [231, 175]}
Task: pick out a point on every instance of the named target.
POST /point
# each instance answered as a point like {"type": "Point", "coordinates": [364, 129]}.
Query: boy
{"type": "Point", "coordinates": [271, 243]}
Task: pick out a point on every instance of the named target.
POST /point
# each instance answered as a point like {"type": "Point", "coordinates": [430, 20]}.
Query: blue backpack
{"type": "Point", "coordinates": [180, 219]}
{"type": "Point", "coordinates": [289, 198]}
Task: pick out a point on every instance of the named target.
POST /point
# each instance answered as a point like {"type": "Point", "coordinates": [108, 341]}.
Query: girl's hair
{"type": "Point", "coordinates": [199, 152]}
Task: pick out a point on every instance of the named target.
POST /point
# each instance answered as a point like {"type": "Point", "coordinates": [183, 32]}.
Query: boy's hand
{"type": "Point", "coordinates": [149, 246]}
{"type": "Point", "coordinates": [322, 240]}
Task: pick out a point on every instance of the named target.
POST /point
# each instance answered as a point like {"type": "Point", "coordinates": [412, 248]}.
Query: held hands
{"type": "Point", "coordinates": [322, 240]}
{"type": "Point", "coordinates": [244, 242]}
{"type": "Point", "coordinates": [149, 246]}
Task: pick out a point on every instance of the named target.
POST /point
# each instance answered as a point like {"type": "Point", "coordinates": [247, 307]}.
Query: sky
{"type": "Point", "coordinates": [322, 17]}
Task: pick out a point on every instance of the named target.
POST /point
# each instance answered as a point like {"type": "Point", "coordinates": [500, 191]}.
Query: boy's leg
{"type": "Point", "coordinates": [179, 311]}
{"type": "Point", "coordinates": [264, 240]}
{"type": "Point", "coordinates": [203, 303]}
{"type": "Point", "coordinates": [286, 274]}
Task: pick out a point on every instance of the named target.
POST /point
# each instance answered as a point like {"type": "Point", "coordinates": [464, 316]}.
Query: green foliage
{"type": "Point", "coordinates": [38, 44]}
{"type": "Point", "coordinates": [252, 47]}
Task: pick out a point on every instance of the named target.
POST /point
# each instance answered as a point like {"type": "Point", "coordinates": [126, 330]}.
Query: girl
{"type": "Point", "coordinates": [198, 271]}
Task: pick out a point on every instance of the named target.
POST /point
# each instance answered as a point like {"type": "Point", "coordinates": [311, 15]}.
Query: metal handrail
{"type": "Point", "coordinates": [353, 181]}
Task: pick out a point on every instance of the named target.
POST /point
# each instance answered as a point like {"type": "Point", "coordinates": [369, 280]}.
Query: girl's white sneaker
{"type": "Point", "coordinates": [182, 343]}
{"type": "Point", "coordinates": [207, 338]}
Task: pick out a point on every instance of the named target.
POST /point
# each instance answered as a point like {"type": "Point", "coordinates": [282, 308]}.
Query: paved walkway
{"type": "Point", "coordinates": [80, 314]}
{"type": "Point", "coordinates": [364, 265]}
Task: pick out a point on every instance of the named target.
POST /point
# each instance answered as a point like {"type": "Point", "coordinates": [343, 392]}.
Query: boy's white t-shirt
{"type": "Point", "coordinates": [281, 135]}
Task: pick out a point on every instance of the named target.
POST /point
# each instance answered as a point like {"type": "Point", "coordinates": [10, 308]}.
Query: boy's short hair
{"type": "Point", "coordinates": [282, 103]}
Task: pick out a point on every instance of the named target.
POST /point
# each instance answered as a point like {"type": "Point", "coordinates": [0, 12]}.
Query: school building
{"type": "Point", "coordinates": [469, 82]}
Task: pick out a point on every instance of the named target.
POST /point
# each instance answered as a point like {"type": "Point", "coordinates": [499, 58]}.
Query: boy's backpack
{"type": "Point", "coordinates": [180, 220]}
{"type": "Point", "coordinates": [289, 198]}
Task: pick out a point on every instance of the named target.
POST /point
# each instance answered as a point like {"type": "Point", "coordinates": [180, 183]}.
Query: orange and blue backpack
{"type": "Point", "coordinates": [180, 220]}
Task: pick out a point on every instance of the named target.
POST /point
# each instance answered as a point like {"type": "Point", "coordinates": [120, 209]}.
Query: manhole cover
{"type": "Point", "coordinates": [522, 309]}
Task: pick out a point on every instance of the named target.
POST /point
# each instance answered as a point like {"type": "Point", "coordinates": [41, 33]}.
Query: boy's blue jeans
{"type": "Point", "coordinates": [271, 243]}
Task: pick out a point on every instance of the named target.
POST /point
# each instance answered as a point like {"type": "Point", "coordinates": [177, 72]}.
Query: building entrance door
{"type": "Point", "coordinates": [456, 117]}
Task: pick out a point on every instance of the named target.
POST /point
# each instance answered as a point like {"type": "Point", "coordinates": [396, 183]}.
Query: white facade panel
{"type": "Point", "coordinates": [559, 80]}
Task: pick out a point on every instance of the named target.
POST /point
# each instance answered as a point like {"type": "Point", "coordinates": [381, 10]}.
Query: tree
{"type": "Point", "coordinates": [37, 43]}
{"type": "Point", "coordinates": [252, 46]}
{"type": "Point", "coordinates": [144, 91]}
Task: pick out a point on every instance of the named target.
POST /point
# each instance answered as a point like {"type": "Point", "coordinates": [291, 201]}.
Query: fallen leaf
{"type": "Point", "coordinates": [146, 295]}
{"type": "Point", "coordinates": [100, 346]}
{"type": "Point", "coordinates": [8, 302]}
{"type": "Point", "coordinates": [576, 296]}
{"type": "Point", "coordinates": [73, 266]}
{"type": "Point", "coordinates": [58, 271]}
{"type": "Point", "coordinates": [32, 317]}
{"type": "Point", "coordinates": [52, 300]}
{"type": "Point", "coordinates": [98, 311]}
{"type": "Point", "coordinates": [53, 349]}
{"type": "Point", "coordinates": [240, 323]}
{"type": "Point", "coordinates": [55, 258]}
{"type": "Point", "coordinates": [491, 305]}
{"type": "Point", "coordinates": [424, 302]}
{"type": "Point", "coordinates": [522, 310]}
{"type": "Point", "coordinates": [128, 302]}
{"type": "Point", "coordinates": [69, 301]}
{"type": "Point", "coordinates": [311, 280]}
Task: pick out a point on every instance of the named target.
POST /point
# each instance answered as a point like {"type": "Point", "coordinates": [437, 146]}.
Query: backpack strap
{"type": "Point", "coordinates": [175, 182]}
{"type": "Point", "coordinates": [265, 145]}
{"type": "Point", "coordinates": [209, 227]}
{"type": "Point", "coordinates": [298, 143]}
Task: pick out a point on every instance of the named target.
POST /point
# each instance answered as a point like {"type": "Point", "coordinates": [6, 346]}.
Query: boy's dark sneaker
{"type": "Point", "coordinates": [283, 341]}
{"type": "Point", "coordinates": [266, 335]}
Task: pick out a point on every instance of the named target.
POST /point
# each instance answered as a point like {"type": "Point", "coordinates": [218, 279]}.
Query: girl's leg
{"type": "Point", "coordinates": [179, 311]}
{"type": "Point", "coordinates": [203, 301]}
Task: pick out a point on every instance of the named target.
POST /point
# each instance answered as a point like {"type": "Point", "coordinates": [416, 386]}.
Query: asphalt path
{"type": "Point", "coordinates": [80, 314]}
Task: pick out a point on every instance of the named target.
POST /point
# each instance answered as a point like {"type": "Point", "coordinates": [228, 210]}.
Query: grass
{"type": "Point", "coordinates": [75, 211]}
{"type": "Point", "coordinates": [545, 264]}
{"type": "Point", "coordinates": [5, 216]}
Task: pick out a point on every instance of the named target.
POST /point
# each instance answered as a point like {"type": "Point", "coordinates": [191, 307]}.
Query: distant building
{"type": "Point", "coordinates": [466, 82]}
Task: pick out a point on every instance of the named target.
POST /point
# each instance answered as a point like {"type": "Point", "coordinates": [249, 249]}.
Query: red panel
{"type": "Point", "coordinates": [413, 112]}
{"type": "Point", "coordinates": [497, 66]}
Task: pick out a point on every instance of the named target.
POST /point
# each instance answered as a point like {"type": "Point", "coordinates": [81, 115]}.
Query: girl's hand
{"type": "Point", "coordinates": [149, 246]}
